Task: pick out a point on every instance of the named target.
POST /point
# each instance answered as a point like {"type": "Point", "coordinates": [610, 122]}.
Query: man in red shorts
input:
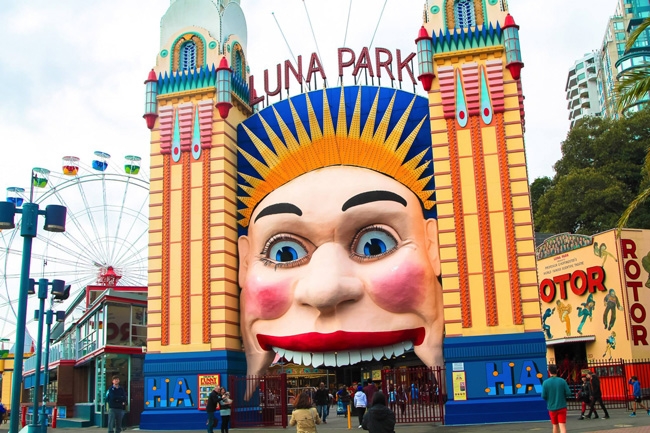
{"type": "Point", "coordinates": [555, 391]}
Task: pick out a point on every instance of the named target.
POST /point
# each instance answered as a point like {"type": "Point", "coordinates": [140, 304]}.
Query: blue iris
{"type": "Point", "coordinates": [374, 247]}
{"type": "Point", "coordinates": [373, 243]}
{"type": "Point", "coordinates": [286, 254]}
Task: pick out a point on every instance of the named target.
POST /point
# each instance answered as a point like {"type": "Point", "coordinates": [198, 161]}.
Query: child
{"type": "Point", "coordinates": [636, 391]}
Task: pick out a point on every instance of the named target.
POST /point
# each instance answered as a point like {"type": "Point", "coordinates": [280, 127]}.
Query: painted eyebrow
{"type": "Point", "coordinates": [372, 196]}
{"type": "Point", "coordinates": [279, 208]}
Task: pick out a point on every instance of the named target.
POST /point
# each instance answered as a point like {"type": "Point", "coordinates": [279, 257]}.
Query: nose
{"type": "Point", "coordinates": [330, 280]}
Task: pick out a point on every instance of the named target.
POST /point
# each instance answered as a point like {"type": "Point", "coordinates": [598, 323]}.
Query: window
{"type": "Point", "coordinates": [579, 66]}
{"type": "Point", "coordinates": [620, 36]}
{"type": "Point", "coordinates": [127, 325]}
{"type": "Point", "coordinates": [581, 76]}
{"type": "Point", "coordinates": [619, 26]}
{"type": "Point", "coordinates": [188, 56]}
{"type": "Point", "coordinates": [620, 48]}
{"type": "Point", "coordinates": [464, 13]}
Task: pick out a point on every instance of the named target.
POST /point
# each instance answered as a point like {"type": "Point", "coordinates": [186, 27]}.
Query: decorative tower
{"type": "Point", "coordinates": [494, 349]}
{"type": "Point", "coordinates": [194, 340]}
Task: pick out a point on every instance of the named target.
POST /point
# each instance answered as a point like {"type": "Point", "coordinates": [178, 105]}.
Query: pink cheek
{"type": "Point", "coordinates": [267, 300]}
{"type": "Point", "coordinates": [403, 289]}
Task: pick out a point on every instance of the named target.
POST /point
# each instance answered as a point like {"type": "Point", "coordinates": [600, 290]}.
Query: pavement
{"type": "Point", "coordinates": [620, 422]}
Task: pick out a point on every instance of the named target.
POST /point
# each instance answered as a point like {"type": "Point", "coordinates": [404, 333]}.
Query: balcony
{"type": "Point", "coordinates": [63, 350]}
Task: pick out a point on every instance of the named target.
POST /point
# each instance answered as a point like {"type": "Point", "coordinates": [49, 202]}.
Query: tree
{"type": "Point", "coordinates": [538, 188]}
{"type": "Point", "coordinates": [601, 170]}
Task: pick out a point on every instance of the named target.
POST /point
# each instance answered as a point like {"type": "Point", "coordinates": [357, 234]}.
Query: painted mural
{"type": "Point", "coordinates": [595, 292]}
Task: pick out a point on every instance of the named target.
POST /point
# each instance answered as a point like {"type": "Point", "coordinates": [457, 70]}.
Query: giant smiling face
{"type": "Point", "coordinates": [339, 266]}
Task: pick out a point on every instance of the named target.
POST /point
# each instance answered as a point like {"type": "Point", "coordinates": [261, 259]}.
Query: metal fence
{"type": "Point", "coordinates": [258, 400]}
{"type": "Point", "coordinates": [614, 380]}
{"type": "Point", "coordinates": [414, 394]}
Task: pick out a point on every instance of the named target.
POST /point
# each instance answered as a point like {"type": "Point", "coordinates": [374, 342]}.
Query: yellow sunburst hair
{"type": "Point", "coordinates": [287, 157]}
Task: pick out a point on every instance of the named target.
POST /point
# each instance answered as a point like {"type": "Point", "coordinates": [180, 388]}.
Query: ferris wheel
{"type": "Point", "coordinates": [106, 236]}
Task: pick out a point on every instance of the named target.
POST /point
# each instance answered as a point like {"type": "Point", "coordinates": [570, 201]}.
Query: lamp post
{"type": "Point", "coordinates": [60, 292]}
{"type": "Point", "coordinates": [54, 222]}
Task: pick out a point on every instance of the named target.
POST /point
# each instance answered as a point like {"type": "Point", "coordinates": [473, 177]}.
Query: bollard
{"type": "Point", "coordinates": [349, 418]}
{"type": "Point", "coordinates": [23, 416]}
{"type": "Point", "coordinates": [55, 413]}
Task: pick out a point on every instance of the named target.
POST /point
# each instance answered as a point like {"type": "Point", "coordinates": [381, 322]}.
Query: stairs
{"type": "Point", "coordinates": [84, 417]}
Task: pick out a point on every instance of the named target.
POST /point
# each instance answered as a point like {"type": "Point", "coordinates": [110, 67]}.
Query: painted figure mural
{"type": "Point", "coordinates": [340, 263]}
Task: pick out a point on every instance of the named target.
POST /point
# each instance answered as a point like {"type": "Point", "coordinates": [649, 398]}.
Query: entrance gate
{"type": "Point", "coordinates": [414, 394]}
{"type": "Point", "coordinates": [258, 400]}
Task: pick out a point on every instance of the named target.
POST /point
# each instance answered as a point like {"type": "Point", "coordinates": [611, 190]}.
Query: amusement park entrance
{"type": "Point", "coordinates": [413, 394]}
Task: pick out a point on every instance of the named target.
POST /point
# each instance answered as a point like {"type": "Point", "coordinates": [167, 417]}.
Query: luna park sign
{"type": "Point", "coordinates": [378, 63]}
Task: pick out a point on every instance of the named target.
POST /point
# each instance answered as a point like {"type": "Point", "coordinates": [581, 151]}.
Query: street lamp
{"type": "Point", "coordinates": [60, 292]}
{"type": "Point", "coordinates": [54, 222]}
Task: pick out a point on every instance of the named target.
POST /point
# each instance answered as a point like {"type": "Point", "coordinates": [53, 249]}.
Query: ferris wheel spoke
{"type": "Point", "coordinates": [131, 253]}
{"type": "Point", "coordinates": [106, 219]}
{"type": "Point", "coordinates": [91, 219]}
{"type": "Point", "coordinates": [135, 224]}
{"type": "Point", "coordinates": [119, 222]}
{"type": "Point", "coordinates": [73, 217]}
{"type": "Point", "coordinates": [73, 250]}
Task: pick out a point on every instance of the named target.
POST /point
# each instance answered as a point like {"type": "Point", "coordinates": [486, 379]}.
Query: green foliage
{"type": "Point", "coordinates": [601, 170]}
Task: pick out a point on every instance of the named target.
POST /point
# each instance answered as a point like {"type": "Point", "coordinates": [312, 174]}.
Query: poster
{"type": "Point", "coordinates": [460, 387]}
{"type": "Point", "coordinates": [207, 382]}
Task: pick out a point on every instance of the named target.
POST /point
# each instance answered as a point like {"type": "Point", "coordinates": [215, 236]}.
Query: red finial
{"type": "Point", "coordinates": [151, 77]}
{"type": "Point", "coordinates": [509, 22]}
{"type": "Point", "coordinates": [422, 34]}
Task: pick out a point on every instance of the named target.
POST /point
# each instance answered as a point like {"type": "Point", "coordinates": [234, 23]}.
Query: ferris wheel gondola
{"type": "Point", "coordinates": [106, 229]}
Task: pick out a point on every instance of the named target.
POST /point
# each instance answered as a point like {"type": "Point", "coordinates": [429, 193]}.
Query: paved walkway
{"type": "Point", "coordinates": [619, 422]}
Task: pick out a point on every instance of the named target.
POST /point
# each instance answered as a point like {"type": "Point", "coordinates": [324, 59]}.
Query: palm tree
{"type": "Point", "coordinates": [634, 84]}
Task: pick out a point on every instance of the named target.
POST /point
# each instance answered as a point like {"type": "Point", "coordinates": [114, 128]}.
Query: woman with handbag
{"type": "Point", "coordinates": [304, 415]}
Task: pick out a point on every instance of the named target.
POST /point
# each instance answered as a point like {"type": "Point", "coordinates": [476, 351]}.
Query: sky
{"type": "Point", "coordinates": [72, 71]}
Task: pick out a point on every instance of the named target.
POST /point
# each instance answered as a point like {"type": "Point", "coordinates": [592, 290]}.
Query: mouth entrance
{"type": "Point", "coordinates": [343, 358]}
{"type": "Point", "coordinates": [342, 348]}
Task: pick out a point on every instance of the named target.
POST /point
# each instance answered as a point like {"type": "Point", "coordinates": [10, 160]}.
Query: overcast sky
{"type": "Point", "coordinates": [72, 71]}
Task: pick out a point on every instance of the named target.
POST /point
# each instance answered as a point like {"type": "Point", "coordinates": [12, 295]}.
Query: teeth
{"type": "Point", "coordinates": [343, 358]}
{"type": "Point", "coordinates": [317, 359]}
{"type": "Point", "coordinates": [340, 359]}
{"type": "Point", "coordinates": [330, 359]}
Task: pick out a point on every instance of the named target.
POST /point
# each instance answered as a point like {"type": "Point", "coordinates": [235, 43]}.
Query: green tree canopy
{"type": "Point", "coordinates": [601, 170]}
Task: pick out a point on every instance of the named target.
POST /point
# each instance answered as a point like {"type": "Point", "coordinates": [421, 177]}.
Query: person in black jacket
{"type": "Point", "coordinates": [596, 395]}
{"type": "Point", "coordinates": [116, 399]}
{"type": "Point", "coordinates": [214, 399]}
{"type": "Point", "coordinates": [322, 400]}
{"type": "Point", "coordinates": [379, 418]}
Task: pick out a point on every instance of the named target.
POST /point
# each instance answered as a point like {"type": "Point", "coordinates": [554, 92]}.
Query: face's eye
{"type": "Point", "coordinates": [284, 250]}
{"type": "Point", "coordinates": [373, 242]}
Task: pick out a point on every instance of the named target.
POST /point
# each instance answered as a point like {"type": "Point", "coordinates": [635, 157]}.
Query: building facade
{"type": "Point", "coordinates": [613, 58]}
{"type": "Point", "coordinates": [582, 89]}
{"type": "Point", "coordinates": [319, 209]}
